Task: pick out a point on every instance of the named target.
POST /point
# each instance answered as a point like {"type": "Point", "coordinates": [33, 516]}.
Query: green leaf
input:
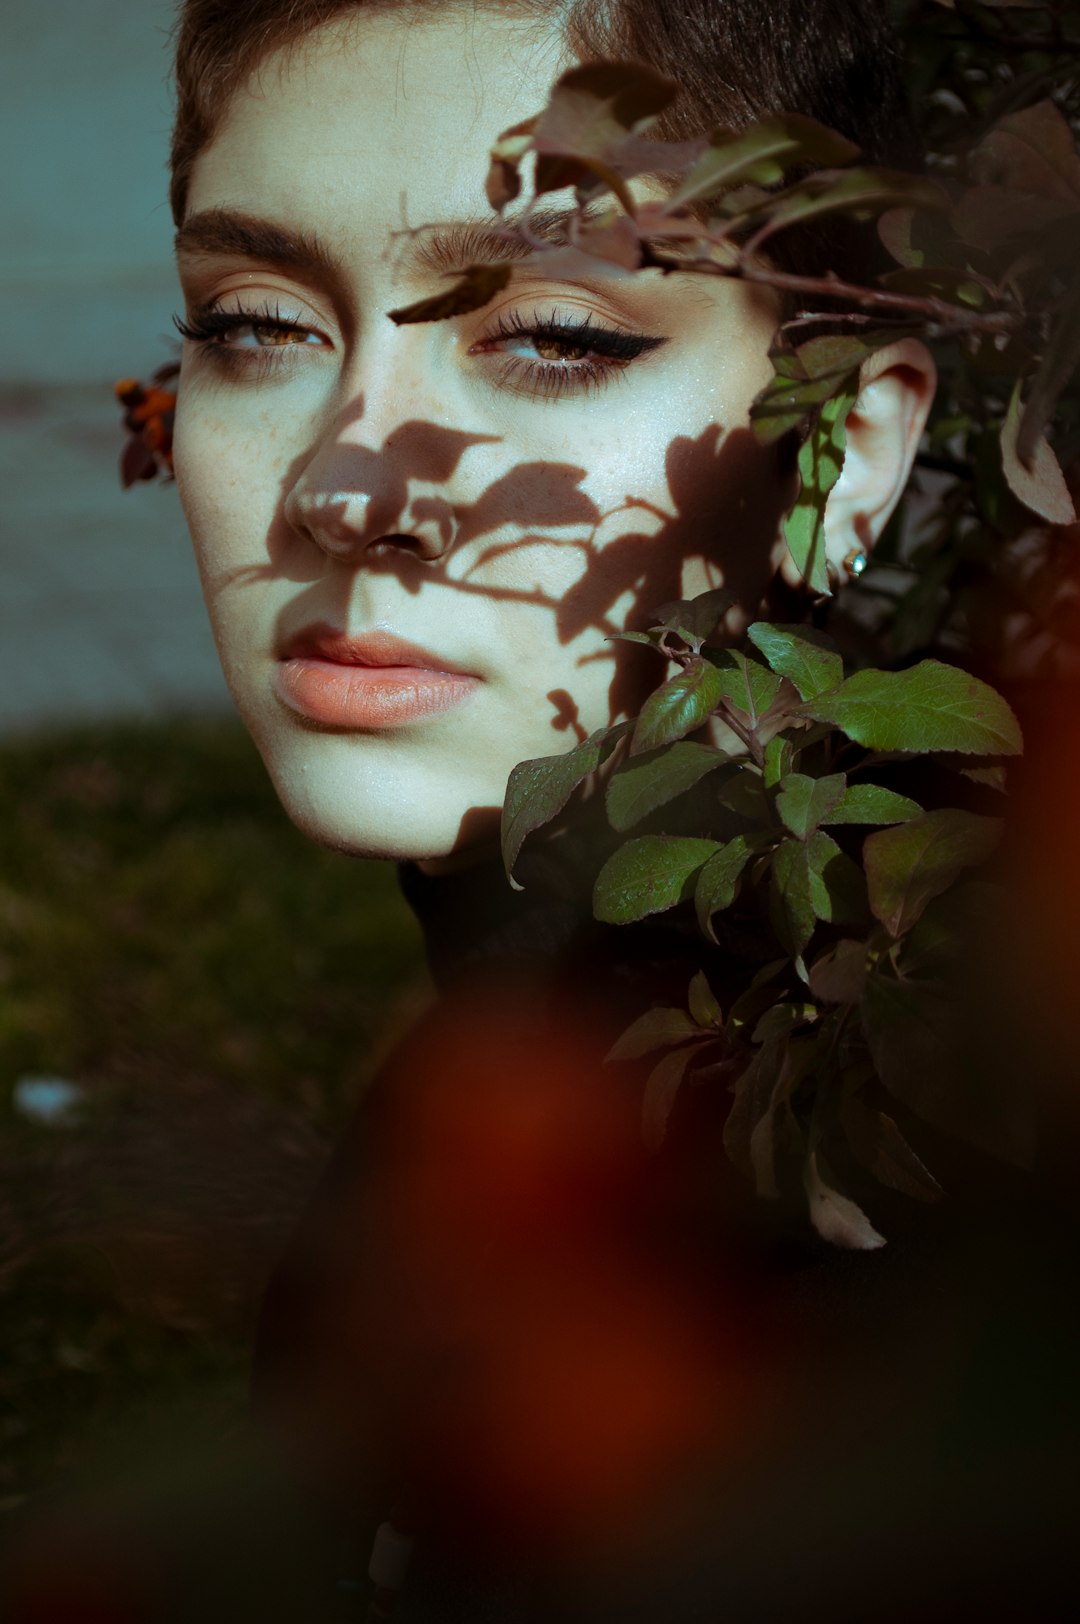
{"type": "Point", "coordinates": [1036, 479]}
{"type": "Point", "coordinates": [538, 790]}
{"type": "Point", "coordinates": [846, 884]}
{"type": "Point", "coordinates": [1033, 150]}
{"type": "Point", "coordinates": [835, 1217]}
{"type": "Point", "coordinates": [779, 759]}
{"type": "Point", "coordinates": [791, 906]}
{"type": "Point", "coordinates": [762, 155]}
{"type": "Point", "coordinates": [750, 1005]}
{"type": "Point", "coordinates": [821, 457]}
{"type": "Point", "coordinates": [951, 282]}
{"type": "Point", "coordinates": [870, 803]}
{"type": "Point", "coordinates": [895, 230]}
{"type": "Point", "coordinates": [661, 1087]}
{"type": "Point", "coordinates": [919, 1048]}
{"type": "Point", "coordinates": [754, 1089]}
{"type": "Point", "coordinates": [475, 286]}
{"type": "Point", "coordinates": [788, 404]}
{"type": "Point", "coordinates": [650, 639]}
{"type": "Point", "coordinates": [878, 1144]}
{"type": "Point", "coordinates": [504, 175]}
{"type": "Point", "coordinates": [907, 866]}
{"type": "Point", "coordinates": [595, 105]}
{"type": "Point", "coordinates": [860, 193]}
{"type": "Point", "coordinates": [583, 131]}
{"type": "Point", "coordinates": [973, 910]}
{"type": "Point", "coordinates": [807, 658]}
{"type": "Point", "coordinates": [683, 703]}
{"type": "Point", "coordinates": [656, 1029]}
{"type": "Point", "coordinates": [775, 1139]}
{"type": "Point", "coordinates": [610, 236]}
{"type": "Point", "coordinates": [839, 975]}
{"type": "Point", "coordinates": [703, 1004]}
{"type": "Point", "coordinates": [834, 356]}
{"type": "Point", "coordinates": [746, 684]}
{"type": "Point", "coordinates": [991, 775]}
{"type": "Point", "coordinates": [781, 1019]}
{"type": "Point", "coordinates": [799, 895]}
{"type": "Point", "coordinates": [804, 803]}
{"type": "Point", "coordinates": [698, 616]}
{"type": "Point", "coordinates": [744, 795]}
{"type": "Point", "coordinates": [995, 219]}
{"type": "Point", "coordinates": [1058, 366]}
{"type": "Point", "coordinates": [719, 879]}
{"type": "Point", "coordinates": [648, 875]}
{"type": "Point", "coordinates": [806, 375]}
{"type": "Point", "coordinates": [928, 707]}
{"type": "Point", "coordinates": [643, 783]}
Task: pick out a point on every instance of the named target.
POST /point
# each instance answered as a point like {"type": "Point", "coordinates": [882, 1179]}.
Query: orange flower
{"type": "Point", "coordinates": [148, 415]}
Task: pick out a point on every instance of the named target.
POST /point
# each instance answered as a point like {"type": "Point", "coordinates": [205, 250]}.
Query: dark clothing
{"type": "Point", "coordinates": [607, 1384]}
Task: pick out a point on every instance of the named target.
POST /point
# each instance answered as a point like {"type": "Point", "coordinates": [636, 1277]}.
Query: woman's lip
{"type": "Point", "coordinates": [364, 696]}
{"type": "Point", "coordinates": [328, 645]}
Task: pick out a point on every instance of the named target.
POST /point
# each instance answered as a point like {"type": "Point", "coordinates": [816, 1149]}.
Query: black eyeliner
{"type": "Point", "coordinates": [206, 325]}
{"type": "Point", "coordinates": [608, 342]}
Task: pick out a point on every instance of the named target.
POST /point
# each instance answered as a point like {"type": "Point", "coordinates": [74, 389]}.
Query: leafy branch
{"type": "Point", "coordinates": [850, 898]}
{"type": "Point", "coordinates": [841, 919]}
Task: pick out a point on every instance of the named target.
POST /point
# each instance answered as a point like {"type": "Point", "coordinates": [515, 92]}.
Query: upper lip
{"type": "Point", "coordinates": [375, 648]}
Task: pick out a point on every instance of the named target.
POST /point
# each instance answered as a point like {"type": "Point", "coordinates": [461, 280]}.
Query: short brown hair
{"type": "Point", "coordinates": [735, 60]}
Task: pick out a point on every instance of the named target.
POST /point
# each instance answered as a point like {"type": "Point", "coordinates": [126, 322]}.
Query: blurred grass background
{"type": "Point", "coordinates": [217, 989]}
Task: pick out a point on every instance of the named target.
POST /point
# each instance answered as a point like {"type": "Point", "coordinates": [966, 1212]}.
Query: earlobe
{"type": "Point", "coordinates": [883, 430]}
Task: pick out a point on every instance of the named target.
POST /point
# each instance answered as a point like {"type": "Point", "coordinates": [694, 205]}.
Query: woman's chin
{"type": "Point", "coordinates": [429, 826]}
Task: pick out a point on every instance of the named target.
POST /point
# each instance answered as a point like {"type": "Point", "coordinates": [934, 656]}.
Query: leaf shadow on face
{"type": "Point", "coordinates": [407, 511]}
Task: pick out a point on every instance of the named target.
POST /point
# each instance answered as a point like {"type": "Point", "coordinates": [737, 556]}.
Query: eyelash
{"type": "Point", "coordinates": [209, 327]}
{"type": "Point", "coordinates": [609, 351]}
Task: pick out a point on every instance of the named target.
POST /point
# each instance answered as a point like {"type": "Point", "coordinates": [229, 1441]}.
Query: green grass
{"type": "Point", "coordinates": [219, 989]}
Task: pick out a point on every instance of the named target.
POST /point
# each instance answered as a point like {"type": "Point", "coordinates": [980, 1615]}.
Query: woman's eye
{"type": "Point", "coordinates": [268, 335]}
{"type": "Point", "coordinates": [239, 335]}
{"type": "Point", "coordinates": [551, 357]}
{"type": "Point", "coordinates": [548, 348]}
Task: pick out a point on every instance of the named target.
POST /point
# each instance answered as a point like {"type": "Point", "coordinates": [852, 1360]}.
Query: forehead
{"type": "Point", "coordinates": [396, 105]}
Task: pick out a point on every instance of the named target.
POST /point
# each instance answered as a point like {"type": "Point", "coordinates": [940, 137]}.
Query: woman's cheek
{"type": "Point", "coordinates": [227, 486]}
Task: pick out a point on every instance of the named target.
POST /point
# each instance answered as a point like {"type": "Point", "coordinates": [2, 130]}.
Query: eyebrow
{"type": "Point", "coordinates": [437, 249]}
{"type": "Point", "coordinates": [228, 232]}
{"type": "Point", "coordinates": [445, 248]}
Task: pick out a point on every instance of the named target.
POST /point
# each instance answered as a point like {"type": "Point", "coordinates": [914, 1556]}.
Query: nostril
{"type": "Point", "coordinates": [434, 513]}
{"type": "Point", "coordinates": [400, 543]}
{"type": "Point", "coordinates": [348, 523]}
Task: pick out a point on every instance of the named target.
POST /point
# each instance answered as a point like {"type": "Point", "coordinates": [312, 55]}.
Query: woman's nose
{"type": "Point", "coordinates": [352, 500]}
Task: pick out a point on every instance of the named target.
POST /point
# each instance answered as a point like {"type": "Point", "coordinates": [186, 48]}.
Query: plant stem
{"type": "Point", "coordinates": [945, 318]}
{"type": "Point", "coordinates": [742, 732]}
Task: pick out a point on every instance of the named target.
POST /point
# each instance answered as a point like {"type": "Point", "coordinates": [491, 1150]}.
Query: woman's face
{"type": "Point", "coordinates": [416, 541]}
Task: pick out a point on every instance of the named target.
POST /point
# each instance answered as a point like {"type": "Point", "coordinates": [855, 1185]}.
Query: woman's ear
{"type": "Point", "coordinates": [883, 431]}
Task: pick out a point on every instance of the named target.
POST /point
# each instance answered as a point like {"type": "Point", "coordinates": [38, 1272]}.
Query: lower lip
{"type": "Point", "coordinates": [369, 696]}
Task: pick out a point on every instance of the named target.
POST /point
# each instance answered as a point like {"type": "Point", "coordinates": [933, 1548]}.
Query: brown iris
{"type": "Point", "coordinates": [267, 334]}
{"type": "Point", "coordinates": [558, 349]}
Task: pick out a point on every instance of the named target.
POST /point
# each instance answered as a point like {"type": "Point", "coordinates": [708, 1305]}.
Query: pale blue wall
{"type": "Point", "coordinates": [85, 235]}
{"type": "Point", "coordinates": [100, 610]}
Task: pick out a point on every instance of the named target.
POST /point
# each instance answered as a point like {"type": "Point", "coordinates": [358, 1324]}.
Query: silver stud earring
{"type": "Point", "coordinates": [855, 563]}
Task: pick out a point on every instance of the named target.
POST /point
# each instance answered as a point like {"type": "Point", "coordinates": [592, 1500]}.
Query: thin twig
{"type": "Point", "coordinates": [942, 316]}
